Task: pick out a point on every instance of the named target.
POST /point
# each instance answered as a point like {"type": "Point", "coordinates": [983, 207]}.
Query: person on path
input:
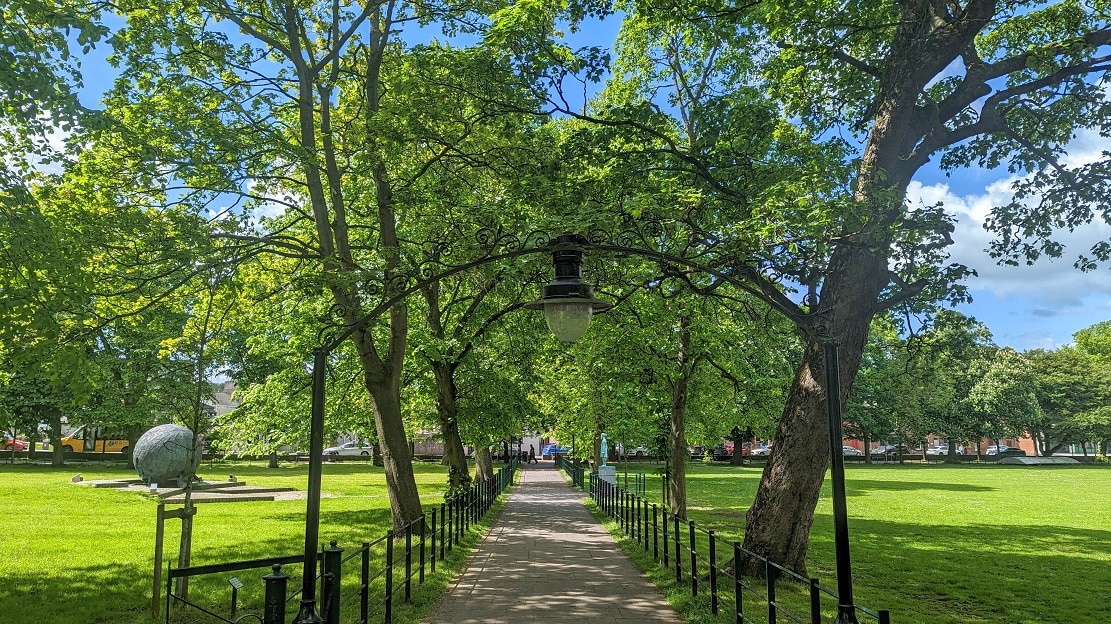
{"type": "Point", "coordinates": [532, 454]}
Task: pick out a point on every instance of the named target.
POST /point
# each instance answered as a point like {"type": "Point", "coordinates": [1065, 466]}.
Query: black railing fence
{"type": "Point", "coordinates": [699, 556]}
{"type": "Point", "coordinates": [363, 584]}
{"type": "Point", "coordinates": [576, 472]}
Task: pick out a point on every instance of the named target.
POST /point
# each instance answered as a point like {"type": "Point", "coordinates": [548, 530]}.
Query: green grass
{"type": "Point", "coordinates": [939, 544]}
{"type": "Point", "coordinates": [77, 554]}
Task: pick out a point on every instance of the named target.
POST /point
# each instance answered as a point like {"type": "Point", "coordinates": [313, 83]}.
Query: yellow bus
{"type": "Point", "coordinates": [94, 439]}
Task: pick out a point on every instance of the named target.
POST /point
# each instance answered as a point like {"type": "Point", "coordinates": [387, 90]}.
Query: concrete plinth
{"type": "Point", "coordinates": [608, 474]}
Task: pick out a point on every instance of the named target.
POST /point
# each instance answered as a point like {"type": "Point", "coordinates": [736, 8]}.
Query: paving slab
{"type": "Point", "coordinates": [546, 559]}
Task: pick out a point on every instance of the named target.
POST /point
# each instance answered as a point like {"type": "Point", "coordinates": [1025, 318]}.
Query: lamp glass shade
{"type": "Point", "coordinates": [568, 321]}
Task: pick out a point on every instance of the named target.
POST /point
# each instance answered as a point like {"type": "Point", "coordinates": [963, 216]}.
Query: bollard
{"type": "Point", "coordinates": [330, 590]}
{"type": "Point", "coordinates": [274, 608]}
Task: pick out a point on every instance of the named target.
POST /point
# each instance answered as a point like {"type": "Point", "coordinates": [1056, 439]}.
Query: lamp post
{"type": "Point", "coordinates": [568, 302]}
{"type": "Point", "coordinates": [308, 613]}
{"type": "Point", "coordinates": [846, 607]}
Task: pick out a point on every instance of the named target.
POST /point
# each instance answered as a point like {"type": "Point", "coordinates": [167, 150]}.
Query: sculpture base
{"type": "Point", "coordinates": [608, 474]}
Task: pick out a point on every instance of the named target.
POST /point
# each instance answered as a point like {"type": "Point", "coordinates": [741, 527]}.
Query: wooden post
{"type": "Point", "coordinates": [186, 515]}
{"type": "Point", "coordinates": [159, 534]}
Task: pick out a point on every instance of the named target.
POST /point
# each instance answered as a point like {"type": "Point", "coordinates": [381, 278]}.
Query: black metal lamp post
{"type": "Point", "coordinates": [568, 302]}
{"type": "Point", "coordinates": [846, 607]}
{"type": "Point", "coordinates": [308, 613]}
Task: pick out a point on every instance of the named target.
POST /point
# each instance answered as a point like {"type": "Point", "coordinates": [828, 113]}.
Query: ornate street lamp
{"type": "Point", "coordinates": [568, 302]}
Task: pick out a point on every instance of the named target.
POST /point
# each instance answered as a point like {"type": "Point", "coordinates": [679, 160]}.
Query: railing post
{"type": "Point", "coordinates": [769, 574]}
{"type": "Point", "coordinates": [423, 532]}
{"type": "Point", "coordinates": [433, 534]}
{"type": "Point", "coordinates": [364, 593]}
{"type": "Point", "coordinates": [449, 520]}
{"type": "Point", "coordinates": [408, 561]}
{"type": "Point", "coordinates": [331, 579]}
{"type": "Point", "coordinates": [666, 542]}
{"type": "Point", "coordinates": [815, 602]}
{"type": "Point", "coordinates": [713, 573]}
{"type": "Point", "coordinates": [389, 578]}
{"type": "Point", "coordinates": [443, 523]}
{"type": "Point", "coordinates": [655, 532]}
{"type": "Point", "coordinates": [678, 546]}
{"type": "Point", "coordinates": [738, 586]}
{"type": "Point", "coordinates": [273, 610]}
{"type": "Point", "coordinates": [694, 559]}
{"type": "Point", "coordinates": [639, 533]}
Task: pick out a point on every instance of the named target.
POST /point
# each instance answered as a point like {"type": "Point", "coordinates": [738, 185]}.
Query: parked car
{"type": "Point", "coordinates": [16, 444]}
{"type": "Point", "coordinates": [697, 451]}
{"type": "Point", "coordinates": [890, 450]}
{"type": "Point", "coordinates": [762, 451]}
{"type": "Point", "coordinates": [1011, 451]}
{"type": "Point", "coordinates": [351, 449]}
{"type": "Point", "coordinates": [722, 452]}
{"type": "Point", "coordinates": [553, 449]}
{"type": "Point", "coordinates": [851, 451]}
{"type": "Point", "coordinates": [1002, 450]}
{"type": "Point", "coordinates": [943, 450]}
{"type": "Point", "coordinates": [638, 451]}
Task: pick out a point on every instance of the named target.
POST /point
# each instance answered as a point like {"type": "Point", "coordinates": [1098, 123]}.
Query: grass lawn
{"type": "Point", "coordinates": [80, 555]}
{"type": "Point", "coordinates": [938, 544]}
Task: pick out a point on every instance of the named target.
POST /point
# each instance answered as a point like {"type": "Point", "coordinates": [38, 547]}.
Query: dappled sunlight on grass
{"type": "Point", "coordinates": [949, 544]}
{"type": "Point", "coordinates": [78, 554]}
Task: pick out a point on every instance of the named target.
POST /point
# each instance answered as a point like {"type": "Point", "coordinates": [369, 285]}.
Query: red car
{"type": "Point", "coordinates": [11, 443]}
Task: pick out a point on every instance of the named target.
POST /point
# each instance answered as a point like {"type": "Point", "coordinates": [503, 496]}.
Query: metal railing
{"type": "Point", "coordinates": [383, 571]}
{"type": "Point", "coordinates": [676, 543]}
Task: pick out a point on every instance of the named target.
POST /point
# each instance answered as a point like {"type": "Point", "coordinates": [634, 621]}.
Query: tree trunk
{"type": "Point", "coordinates": [57, 453]}
{"type": "Point", "coordinates": [397, 460]}
{"type": "Point", "coordinates": [483, 463]}
{"type": "Point", "coordinates": [447, 408]}
{"type": "Point", "coordinates": [778, 522]}
{"type": "Point", "coordinates": [678, 423]}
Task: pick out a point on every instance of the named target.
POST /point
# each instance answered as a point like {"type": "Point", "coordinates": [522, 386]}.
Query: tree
{"type": "Point", "coordinates": [972, 83]}
{"type": "Point", "coordinates": [334, 121]}
{"type": "Point", "coordinates": [1073, 396]}
{"type": "Point", "coordinates": [1005, 400]}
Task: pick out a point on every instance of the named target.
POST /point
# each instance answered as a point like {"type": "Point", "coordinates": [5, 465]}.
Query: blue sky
{"type": "Point", "coordinates": [1025, 307]}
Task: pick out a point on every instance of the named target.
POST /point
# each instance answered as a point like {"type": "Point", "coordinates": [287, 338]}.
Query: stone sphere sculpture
{"type": "Point", "coordinates": [162, 456]}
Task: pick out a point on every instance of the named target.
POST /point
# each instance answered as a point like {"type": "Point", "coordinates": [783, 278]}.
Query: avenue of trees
{"type": "Point", "coordinates": [261, 177]}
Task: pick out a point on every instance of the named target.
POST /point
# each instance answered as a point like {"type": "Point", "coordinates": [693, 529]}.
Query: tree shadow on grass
{"type": "Point", "coordinates": [863, 487]}
{"type": "Point", "coordinates": [977, 573]}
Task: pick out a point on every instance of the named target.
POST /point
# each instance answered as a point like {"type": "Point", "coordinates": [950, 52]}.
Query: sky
{"type": "Point", "coordinates": [1025, 307]}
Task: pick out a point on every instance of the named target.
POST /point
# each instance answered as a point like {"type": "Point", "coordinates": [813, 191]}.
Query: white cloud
{"type": "Point", "coordinates": [1037, 306]}
{"type": "Point", "coordinates": [1054, 282]}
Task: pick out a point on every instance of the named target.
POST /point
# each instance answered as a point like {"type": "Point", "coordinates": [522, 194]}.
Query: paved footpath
{"type": "Point", "coordinates": [547, 560]}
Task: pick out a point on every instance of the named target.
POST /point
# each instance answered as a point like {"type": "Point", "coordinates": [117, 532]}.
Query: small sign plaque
{"type": "Point", "coordinates": [236, 583]}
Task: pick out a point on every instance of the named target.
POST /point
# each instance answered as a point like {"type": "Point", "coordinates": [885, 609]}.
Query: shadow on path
{"type": "Point", "coordinates": [546, 559]}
